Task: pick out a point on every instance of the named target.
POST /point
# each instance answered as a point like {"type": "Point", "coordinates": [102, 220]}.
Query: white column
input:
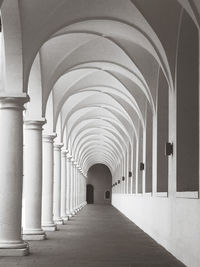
{"type": "Point", "coordinates": [68, 186]}
{"type": "Point", "coordinates": [81, 189]}
{"type": "Point", "coordinates": [76, 187]}
{"type": "Point", "coordinates": [11, 173]}
{"type": "Point", "coordinates": [84, 183]}
{"type": "Point", "coordinates": [32, 183]}
{"type": "Point", "coordinates": [47, 185]}
{"type": "Point", "coordinates": [72, 188]}
{"type": "Point", "coordinates": [71, 185]}
{"type": "Point", "coordinates": [57, 185]}
{"type": "Point", "coordinates": [63, 186]}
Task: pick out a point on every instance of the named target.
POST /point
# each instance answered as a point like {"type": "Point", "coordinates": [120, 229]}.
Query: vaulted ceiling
{"type": "Point", "coordinates": [91, 67]}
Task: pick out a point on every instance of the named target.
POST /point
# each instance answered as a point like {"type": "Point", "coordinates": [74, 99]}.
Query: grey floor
{"type": "Point", "coordinates": [99, 236]}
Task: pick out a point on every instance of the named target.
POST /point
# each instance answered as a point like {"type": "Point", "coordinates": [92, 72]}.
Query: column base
{"type": "Point", "coordinates": [13, 249]}
{"type": "Point", "coordinates": [73, 213]}
{"type": "Point", "coordinates": [59, 221]}
{"type": "Point", "coordinates": [49, 227]}
{"type": "Point", "coordinates": [34, 235]}
{"type": "Point", "coordinates": [76, 211]}
{"type": "Point", "coordinates": [65, 219]}
{"type": "Point", "coordinates": [79, 207]}
{"type": "Point", "coordinates": [68, 214]}
{"type": "Point", "coordinates": [82, 205]}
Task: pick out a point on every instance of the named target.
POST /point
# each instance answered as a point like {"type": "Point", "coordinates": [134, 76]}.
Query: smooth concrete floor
{"type": "Point", "coordinates": [99, 236]}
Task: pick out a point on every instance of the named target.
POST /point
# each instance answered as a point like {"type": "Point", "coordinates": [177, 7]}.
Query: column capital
{"type": "Point", "coordinates": [58, 146]}
{"type": "Point", "coordinates": [34, 124]}
{"type": "Point", "coordinates": [69, 157]}
{"type": "Point", "coordinates": [48, 138]}
{"type": "Point", "coordinates": [13, 101]}
{"type": "Point", "coordinates": [64, 153]}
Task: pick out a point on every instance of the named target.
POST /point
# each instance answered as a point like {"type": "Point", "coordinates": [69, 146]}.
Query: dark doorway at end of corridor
{"type": "Point", "coordinates": [100, 177]}
{"type": "Point", "coordinates": [90, 194]}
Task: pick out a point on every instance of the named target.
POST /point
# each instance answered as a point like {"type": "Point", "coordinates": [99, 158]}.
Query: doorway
{"type": "Point", "coordinates": [90, 194]}
{"type": "Point", "coordinates": [100, 177]}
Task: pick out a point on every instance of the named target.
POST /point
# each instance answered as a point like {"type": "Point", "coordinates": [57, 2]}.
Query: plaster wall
{"type": "Point", "coordinates": [172, 222]}
{"type": "Point", "coordinates": [100, 177]}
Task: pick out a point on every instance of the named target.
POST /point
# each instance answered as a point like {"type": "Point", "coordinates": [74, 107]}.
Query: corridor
{"type": "Point", "coordinates": [99, 236]}
{"type": "Point", "coordinates": [99, 104]}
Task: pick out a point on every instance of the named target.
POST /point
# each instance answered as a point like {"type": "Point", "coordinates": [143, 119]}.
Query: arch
{"type": "Point", "coordinates": [100, 177]}
{"type": "Point", "coordinates": [90, 194]}
{"type": "Point", "coordinates": [12, 49]}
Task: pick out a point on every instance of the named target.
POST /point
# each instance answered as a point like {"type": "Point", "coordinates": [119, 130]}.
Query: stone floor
{"type": "Point", "coordinates": [99, 236]}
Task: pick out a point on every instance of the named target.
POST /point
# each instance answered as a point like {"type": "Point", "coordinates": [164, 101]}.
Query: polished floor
{"type": "Point", "coordinates": [99, 236]}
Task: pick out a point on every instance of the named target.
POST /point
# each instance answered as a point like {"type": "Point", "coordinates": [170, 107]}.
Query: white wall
{"type": "Point", "coordinates": [173, 223]}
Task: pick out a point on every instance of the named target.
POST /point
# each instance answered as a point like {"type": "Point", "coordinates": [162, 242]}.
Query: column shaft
{"type": "Point", "coordinates": [72, 188]}
{"type": "Point", "coordinates": [68, 187]}
{"type": "Point", "coordinates": [76, 191]}
{"type": "Point", "coordinates": [47, 186]}
{"type": "Point", "coordinates": [11, 173]}
{"type": "Point", "coordinates": [32, 184]}
{"type": "Point", "coordinates": [57, 185]}
{"type": "Point", "coordinates": [63, 187]}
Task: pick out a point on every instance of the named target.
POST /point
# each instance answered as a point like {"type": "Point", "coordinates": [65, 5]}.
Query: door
{"type": "Point", "coordinates": [90, 194]}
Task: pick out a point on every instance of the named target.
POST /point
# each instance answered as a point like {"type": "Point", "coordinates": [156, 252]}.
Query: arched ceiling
{"type": "Point", "coordinates": [97, 63]}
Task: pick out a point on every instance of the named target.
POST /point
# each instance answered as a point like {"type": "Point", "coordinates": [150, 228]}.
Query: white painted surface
{"type": "Point", "coordinates": [63, 185]}
{"type": "Point", "coordinates": [47, 185]}
{"type": "Point", "coordinates": [57, 184]}
{"type": "Point", "coordinates": [173, 223]}
{"type": "Point", "coordinates": [32, 183]}
{"type": "Point", "coordinates": [11, 173]}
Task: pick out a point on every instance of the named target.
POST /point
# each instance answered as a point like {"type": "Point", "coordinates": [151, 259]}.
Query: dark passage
{"type": "Point", "coordinates": [100, 177]}
{"type": "Point", "coordinates": [90, 194]}
{"type": "Point", "coordinates": [99, 236]}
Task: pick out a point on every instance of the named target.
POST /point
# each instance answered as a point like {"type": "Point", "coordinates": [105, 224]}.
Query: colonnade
{"type": "Point", "coordinates": [42, 185]}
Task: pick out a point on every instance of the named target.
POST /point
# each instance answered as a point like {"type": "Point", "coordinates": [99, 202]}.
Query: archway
{"type": "Point", "coordinates": [99, 176]}
{"type": "Point", "coordinates": [90, 194]}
